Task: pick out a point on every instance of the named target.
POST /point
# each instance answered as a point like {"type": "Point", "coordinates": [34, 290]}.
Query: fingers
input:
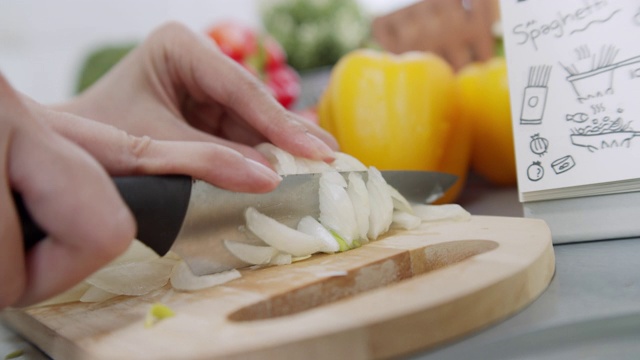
{"type": "Point", "coordinates": [210, 76]}
{"type": "Point", "coordinates": [67, 193]}
{"type": "Point", "coordinates": [124, 154]}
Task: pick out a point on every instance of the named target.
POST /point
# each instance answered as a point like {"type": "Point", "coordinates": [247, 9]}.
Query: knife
{"type": "Point", "coordinates": [193, 218]}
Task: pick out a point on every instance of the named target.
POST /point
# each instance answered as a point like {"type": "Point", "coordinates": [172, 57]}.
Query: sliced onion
{"type": "Point", "coordinates": [381, 204]}
{"type": "Point", "coordinates": [183, 279]}
{"type": "Point", "coordinates": [94, 294]}
{"type": "Point", "coordinates": [346, 162]}
{"type": "Point", "coordinates": [136, 278]}
{"type": "Point", "coordinates": [404, 220]}
{"type": "Point", "coordinates": [399, 201]}
{"type": "Point", "coordinates": [282, 259]}
{"type": "Point", "coordinates": [251, 254]}
{"type": "Point", "coordinates": [136, 252]}
{"type": "Point", "coordinates": [445, 212]}
{"type": "Point", "coordinates": [357, 191]}
{"type": "Point", "coordinates": [308, 166]}
{"type": "Point", "coordinates": [312, 227]}
{"type": "Point", "coordinates": [71, 295]}
{"type": "Point", "coordinates": [333, 177]}
{"type": "Point", "coordinates": [280, 236]}
{"type": "Point", "coordinates": [336, 209]}
{"type": "Point", "coordinates": [282, 161]}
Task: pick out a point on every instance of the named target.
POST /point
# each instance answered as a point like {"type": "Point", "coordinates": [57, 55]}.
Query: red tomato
{"type": "Point", "coordinates": [284, 84]}
{"type": "Point", "coordinates": [234, 39]}
{"type": "Point", "coordinates": [275, 53]}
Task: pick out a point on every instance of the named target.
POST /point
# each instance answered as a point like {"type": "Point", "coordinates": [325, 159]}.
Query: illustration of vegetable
{"type": "Point", "coordinates": [535, 171]}
{"type": "Point", "coordinates": [538, 145]}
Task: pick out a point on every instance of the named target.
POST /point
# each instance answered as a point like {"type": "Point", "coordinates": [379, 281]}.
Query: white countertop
{"type": "Point", "coordinates": [591, 309]}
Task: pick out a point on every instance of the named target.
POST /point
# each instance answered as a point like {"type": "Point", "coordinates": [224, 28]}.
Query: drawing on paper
{"type": "Point", "coordinates": [535, 171]}
{"type": "Point", "coordinates": [535, 95]}
{"type": "Point", "coordinates": [563, 164]}
{"type": "Point", "coordinates": [538, 145]}
{"type": "Point", "coordinates": [602, 133]}
{"type": "Point", "coordinates": [591, 76]}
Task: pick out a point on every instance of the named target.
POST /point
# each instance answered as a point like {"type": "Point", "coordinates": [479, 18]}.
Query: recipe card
{"type": "Point", "coordinates": [574, 79]}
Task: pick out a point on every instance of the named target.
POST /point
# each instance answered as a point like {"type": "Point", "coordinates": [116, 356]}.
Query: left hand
{"type": "Point", "coordinates": [180, 86]}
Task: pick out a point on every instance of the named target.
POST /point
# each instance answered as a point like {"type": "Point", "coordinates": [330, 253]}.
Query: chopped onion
{"type": "Point", "coordinates": [282, 259]}
{"type": "Point", "coordinates": [308, 166]}
{"type": "Point", "coordinates": [333, 177]}
{"type": "Point", "coordinates": [135, 278]}
{"type": "Point", "coordinates": [312, 227]}
{"type": "Point", "coordinates": [280, 236]}
{"type": "Point", "coordinates": [448, 212]}
{"type": "Point", "coordinates": [282, 161]}
{"type": "Point", "coordinates": [94, 294]}
{"type": "Point", "coordinates": [336, 209]}
{"type": "Point", "coordinates": [399, 201]}
{"type": "Point", "coordinates": [404, 220]}
{"type": "Point", "coordinates": [381, 204]}
{"type": "Point", "coordinates": [357, 191]}
{"type": "Point", "coordinates": [346, 162]}
{"type": "Point", "coordinates": [183, 279]}
{"type": "Point", "coordinates": [251, 254]}
{"type": "Point", "coordinates": [71, 295]}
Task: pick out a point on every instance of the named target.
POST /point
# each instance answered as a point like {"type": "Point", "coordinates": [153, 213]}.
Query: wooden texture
{"type": "Point", "coordinates": [459, 31]}
{"type": "Point", "coordinates": [409, 291]}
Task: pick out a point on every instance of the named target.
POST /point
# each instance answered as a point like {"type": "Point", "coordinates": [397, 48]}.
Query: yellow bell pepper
{"type": "Point", "coordinates": [484, 99]}
{"type": "Point", "coordinates": [397, 112]}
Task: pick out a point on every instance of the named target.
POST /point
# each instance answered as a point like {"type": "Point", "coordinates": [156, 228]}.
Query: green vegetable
{"type": "Point", "coordinates": [316, 33]}
{"type": "Point", "coordinates": [156, 313]}
{"type": "Point", "coordinates": [99, 62]}
{"type": "Point", "coordinates": [14, 355]}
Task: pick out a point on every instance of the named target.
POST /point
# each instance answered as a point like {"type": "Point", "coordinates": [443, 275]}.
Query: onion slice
{"type": "Point", "coordinates": [282, 161]}
{"type": "Point", "coordinates": [445, 212]}
{"type": "Point", "coordinates": [183, 279]}
{"type": "Point", "coordinates": [312, 227]}
{"type": "Point", "coordinates": [346, 162]}
{"type": "Point", "coordinates": [94, 294]}
{"type": "Point", "coordinates": [251, 254]}
{"type": "Point", "coordinates": [336, 209]}
{"type": "Point", "coordinates": [135, 278]}
{"type": "Point", "coordinates": [404, 220]}
{"type": "Point", "coordinates": [357, 191]}
{"type": "Point", "coordinates": [280, 236]}
{"type": "Point", "coordinates": [381, 204]}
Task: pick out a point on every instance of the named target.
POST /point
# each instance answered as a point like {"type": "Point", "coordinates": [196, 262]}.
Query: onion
{"type": "Point", "coordinates": [183, 279]}
{"type": "Point", "coordinates": [71, 295]}
{"type": "Point", "coordinates": [346, 162]}
{"type": "Point", "coordinates": [94, 294]}
{"type": "Point", "coordinates": [280, 236]}
{"type": "Point", "coordinates": [357, 191]}
{"type": "Point", "coordinates": [336, 209]}
{"type": "Point", "coordinates": [134, 278]}
{"type": "Point", "coordinates": [381, 204]}
{"type": "Point", "coordinates": [282, 161]}
{"type": "Point", "coordinates": [312, 227]}
{"type": "Point", "coordinates": [251, 254]}
{"type": "Point", "coordinates": [308, 166]}
{"type": "Point", "coordinates": [404, 220]}
{"type": "Point", "coordinates": [399, 201]}
{"type": "Point", "coordinates": [282, 259]}
{"type": "Point", "coordinates": [448, 212]}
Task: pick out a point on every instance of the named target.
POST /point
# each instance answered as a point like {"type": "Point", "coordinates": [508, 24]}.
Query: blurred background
{"type": "Point", "coordinates": [53, 50]}
{"type": "Point", "coordinates": [43, 44]}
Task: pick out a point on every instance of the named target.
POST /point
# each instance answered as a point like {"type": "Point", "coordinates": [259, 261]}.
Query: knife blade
{"type": "Point", "coordinates": [193, 218]}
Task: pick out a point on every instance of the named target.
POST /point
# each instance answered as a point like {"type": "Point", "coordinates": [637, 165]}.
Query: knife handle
{"type": "Point", "coordinates": [158, 203]}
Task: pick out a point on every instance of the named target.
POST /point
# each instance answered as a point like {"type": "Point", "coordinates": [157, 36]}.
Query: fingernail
{"type": "Point", "coordinates": [323, 151]}
{"type": "Point", "coordinates": [263, 170]}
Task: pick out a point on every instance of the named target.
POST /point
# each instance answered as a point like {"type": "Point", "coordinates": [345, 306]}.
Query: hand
{"type": "Point", "coordinates": [61, 186]}
{"type": "Point", "coordinates": [49, 157]}
{"type": "Point", "coordinates": [179, 86]}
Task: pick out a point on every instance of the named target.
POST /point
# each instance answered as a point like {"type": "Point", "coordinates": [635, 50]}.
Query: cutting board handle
{"type": "Point", "coordinates": [158, 203]}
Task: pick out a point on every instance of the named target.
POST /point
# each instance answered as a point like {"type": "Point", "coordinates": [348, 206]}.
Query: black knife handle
{"type": "Point", "coordinates": [158, 203]}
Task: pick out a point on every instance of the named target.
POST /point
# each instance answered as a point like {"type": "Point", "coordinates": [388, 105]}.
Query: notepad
{"type": "Point", "coordinates": [574, 79]}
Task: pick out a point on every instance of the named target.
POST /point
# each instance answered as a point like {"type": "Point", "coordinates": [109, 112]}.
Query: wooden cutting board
{"type": "Point", "coordinates": [409, 291]}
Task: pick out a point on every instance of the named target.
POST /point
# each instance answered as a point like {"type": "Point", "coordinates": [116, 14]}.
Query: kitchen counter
{"type": "Point", "coordinates": [591, 309]}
